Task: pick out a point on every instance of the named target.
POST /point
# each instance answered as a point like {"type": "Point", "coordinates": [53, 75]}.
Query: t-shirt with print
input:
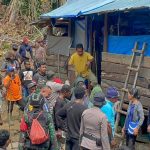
{"type": "Point", "coordinates": [26, 76]}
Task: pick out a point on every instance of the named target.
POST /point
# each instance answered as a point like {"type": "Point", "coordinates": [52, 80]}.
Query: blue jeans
{"type": "Point", "coordinates": [25, 91]}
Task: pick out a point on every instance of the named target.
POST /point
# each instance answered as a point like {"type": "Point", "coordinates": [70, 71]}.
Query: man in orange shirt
{"type": "Point", "coordinates": [13, 87]}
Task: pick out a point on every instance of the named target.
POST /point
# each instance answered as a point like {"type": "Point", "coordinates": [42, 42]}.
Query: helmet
{"type": "Point", "coordinates": [36, 100]}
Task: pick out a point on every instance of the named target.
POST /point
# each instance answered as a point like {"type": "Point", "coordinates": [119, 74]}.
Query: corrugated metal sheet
{"type": "Point", "coordinates": [121, 5]}
{"type": "Point", "coordinates": [76, 8]}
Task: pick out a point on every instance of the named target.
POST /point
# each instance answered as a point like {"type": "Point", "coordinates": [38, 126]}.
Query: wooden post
{"type": "Point", "coordinates": [86, 30]}
{"type": "Point", "coordinates": [50, 29]}
{"type": "Point", "coordinates": [69, 28]}
{"type": "Point", "coordinates": [91, 34]}
{"type": "Point", "coordinates": [105, 33]}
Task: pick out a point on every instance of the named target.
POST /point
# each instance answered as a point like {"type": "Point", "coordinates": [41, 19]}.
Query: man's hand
{"type": "Point", "coordinates": [148, 129]}
{"type": "Point", "coordinates": [59, 134]}
{"type": "Point", "coordinates": [123, 131]}
{"type": "Point", "coordinates": [136, 131]}
{"type": "Point", "coordinates": [88, 64]}
{"type": "Point", "coordinates": [113, 143]}
{"type": "Point", "coordinates": [12, 76]}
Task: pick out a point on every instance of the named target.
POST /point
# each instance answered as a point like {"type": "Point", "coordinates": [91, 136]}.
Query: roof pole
{"type": "Point", "coordinates": [118, 24]}
{"type": "Point", "coordinates": [105, 33]}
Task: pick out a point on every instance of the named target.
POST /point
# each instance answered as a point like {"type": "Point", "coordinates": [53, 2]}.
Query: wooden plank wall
{"type": "Point", "coordinates": [114, 72]}
{"type": "Point", "coordinates": [53, 63]}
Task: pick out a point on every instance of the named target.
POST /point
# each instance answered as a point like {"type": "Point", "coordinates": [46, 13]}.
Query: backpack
{"type": "Point", "coordinates": [38, 134]}
{"type": "Point", "coordinates": [23, 125]}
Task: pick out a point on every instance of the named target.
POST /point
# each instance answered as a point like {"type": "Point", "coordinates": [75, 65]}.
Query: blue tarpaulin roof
{"type": "Point", "coordinates": [76, 8]}
{"type": "Point", "coordinates": [121, 5]}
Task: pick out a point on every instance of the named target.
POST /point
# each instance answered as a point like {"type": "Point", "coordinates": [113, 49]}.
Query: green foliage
{"type": "Point", "coordinates": [30, 8]}
{"type": "Point", "coordinates": [6, 2]}
{"type": "Point", "coordinates": [6, 46]}
{"type": "Point", "coordinates": [24, 7]}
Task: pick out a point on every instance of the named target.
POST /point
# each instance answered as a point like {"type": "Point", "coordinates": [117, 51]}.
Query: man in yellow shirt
{"type": "Point", "coordinates": [81, 61]}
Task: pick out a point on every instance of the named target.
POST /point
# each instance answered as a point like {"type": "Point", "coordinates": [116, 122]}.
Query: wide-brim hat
{"type": "Point", "coordinates": [99, 99]}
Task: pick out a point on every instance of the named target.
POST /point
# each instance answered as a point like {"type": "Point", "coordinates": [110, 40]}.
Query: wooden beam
{"type": "Point", "coordinates": [109, 67]}
{"type": "Point", "coordinates": [69, 28]}
{"type": "Point", "coordinates": [142, 82]}
{"type": "Point", "coordinates": [124, 59]}
{"type": "Point", "coordinates": [143, 91]}
{"type": "Point", "coordinates": [105, 33]}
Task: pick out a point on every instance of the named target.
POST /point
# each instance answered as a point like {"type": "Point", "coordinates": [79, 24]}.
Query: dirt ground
{"type": "Point", "coordinates": [14, 129]}
{"type": "Point", "coordinates": [138, 146]}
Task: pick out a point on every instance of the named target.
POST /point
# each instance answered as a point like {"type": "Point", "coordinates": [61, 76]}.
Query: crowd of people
{"type": "Point", "coordinates": [57, 114]}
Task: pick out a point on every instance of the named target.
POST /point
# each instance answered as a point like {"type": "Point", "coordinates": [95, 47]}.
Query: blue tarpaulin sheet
{"type": "Point", "coordinates": [76, 8]}
{"type": "Point", "coordinates": [121, 5]}
{"type": "Point", "coordinates": [125, 44]}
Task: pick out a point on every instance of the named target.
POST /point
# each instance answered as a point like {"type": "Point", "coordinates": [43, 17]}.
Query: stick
{"type": "Point", "coordinates": [39, 31]}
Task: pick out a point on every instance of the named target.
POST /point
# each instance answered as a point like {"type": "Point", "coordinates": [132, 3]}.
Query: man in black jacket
{"type": "Point", "coordinates": [73, 112]}
{"type": "Point", "coordinates": [61, 101]}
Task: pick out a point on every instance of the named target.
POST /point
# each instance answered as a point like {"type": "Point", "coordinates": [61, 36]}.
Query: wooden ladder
{"type": "Point", "coordinates": [131, 69]}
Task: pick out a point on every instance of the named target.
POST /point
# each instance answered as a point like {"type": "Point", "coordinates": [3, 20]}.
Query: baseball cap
{"type": "Point", "coordinates": [10, 69]}
{"type": "Point", "coordinates": [112, 92]}
{"type": "Point", "coordinates": [99, 99]}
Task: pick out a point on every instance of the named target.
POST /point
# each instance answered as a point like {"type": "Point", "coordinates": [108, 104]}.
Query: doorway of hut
{"type": "Point", "coordinates": [97, 37]}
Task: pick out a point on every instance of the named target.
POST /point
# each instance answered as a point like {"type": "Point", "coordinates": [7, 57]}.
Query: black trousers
{"type": "Point", "coordinates": [130, 141]}
{"type": "Point", "coordinates": [72, 144]}
{"type": "Point", "coordinates": [11, 105]}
